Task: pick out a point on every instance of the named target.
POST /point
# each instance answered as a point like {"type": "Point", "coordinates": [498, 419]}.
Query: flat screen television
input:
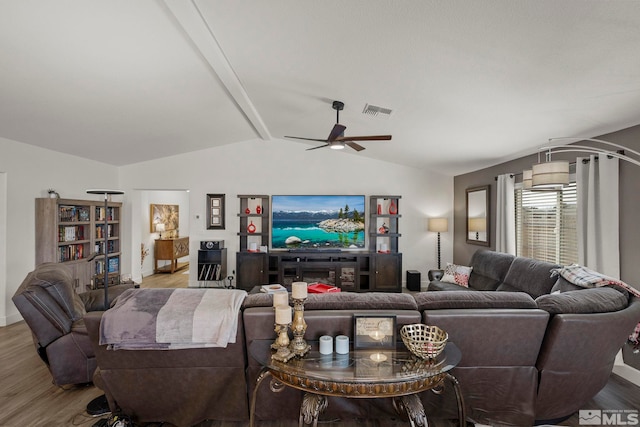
{"type": "Point", "coordinates": [317, 222]}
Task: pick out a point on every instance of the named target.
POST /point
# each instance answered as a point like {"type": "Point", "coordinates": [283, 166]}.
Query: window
{"type": "Point", "coordinates": [546, 225]}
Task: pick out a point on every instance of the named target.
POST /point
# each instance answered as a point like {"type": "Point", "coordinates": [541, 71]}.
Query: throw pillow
{"type": "Point", "coordinates": [458, 274]}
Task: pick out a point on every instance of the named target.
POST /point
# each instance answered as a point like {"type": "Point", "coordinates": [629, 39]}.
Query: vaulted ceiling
{"type": "Point", "coordinates": [469, 83]}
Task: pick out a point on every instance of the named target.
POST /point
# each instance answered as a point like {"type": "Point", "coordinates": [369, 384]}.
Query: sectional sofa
{"type": "Point", "coordinates": [529, 356]}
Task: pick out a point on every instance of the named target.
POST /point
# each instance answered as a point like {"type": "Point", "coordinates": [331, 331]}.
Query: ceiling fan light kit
{"type": "Point", "coordinates": [337, 140]}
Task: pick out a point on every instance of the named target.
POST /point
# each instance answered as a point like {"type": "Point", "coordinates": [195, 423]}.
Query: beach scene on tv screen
{"type": "Point", "coordinates": [330, 222]}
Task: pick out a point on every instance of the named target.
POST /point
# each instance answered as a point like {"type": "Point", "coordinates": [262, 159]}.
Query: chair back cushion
{"type": "Point", "coordinates": [47, 301]}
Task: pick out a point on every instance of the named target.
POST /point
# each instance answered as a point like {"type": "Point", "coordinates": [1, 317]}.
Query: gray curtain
{"type": "Point", "coordinates": [598, 214]}
{"type": "Point", "coordinates": [506, 214]}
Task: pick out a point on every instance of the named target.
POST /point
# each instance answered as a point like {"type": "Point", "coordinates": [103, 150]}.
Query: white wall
{"type": "Point", "coordinates": [251, 167]}
{"type": "Point", "coordinates": [28, 172]}
{"type": "Point", "coordinates": [284, 167]}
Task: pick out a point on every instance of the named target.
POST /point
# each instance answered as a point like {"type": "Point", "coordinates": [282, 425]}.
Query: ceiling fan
{"type": "Point", "coordinates": [337, 140]}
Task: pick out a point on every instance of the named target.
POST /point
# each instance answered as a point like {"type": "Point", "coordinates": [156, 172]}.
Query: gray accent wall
{"type": "Point", "coordinates": [629, 203]}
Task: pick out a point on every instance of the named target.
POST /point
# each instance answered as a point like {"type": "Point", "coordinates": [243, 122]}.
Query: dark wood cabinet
{"type": "Point", "coordinates": [251, 270]}
{"type": "Point", "coordinates": [388, 272]}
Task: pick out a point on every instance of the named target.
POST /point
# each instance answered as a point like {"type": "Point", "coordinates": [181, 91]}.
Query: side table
{"type": "Point", "coordinates": [397, 374]}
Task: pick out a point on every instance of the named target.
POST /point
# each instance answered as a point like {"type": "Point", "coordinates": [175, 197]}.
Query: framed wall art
{"type": "Point", "coordinates": [215, 211]}
{"type": "Point", "coordinates": [374, 331]}
{"type": "Point", "coordinates": [169, 215]}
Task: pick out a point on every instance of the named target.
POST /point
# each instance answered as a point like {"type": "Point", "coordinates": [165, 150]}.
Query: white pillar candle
{"type": "Point", "coordinates": [342, 344]}
{"type": "Point", "coordinates": [280, 298]}
{"type": "Point", "coordinates": [326, 344]}
{"type": "Point", "coordinates": [283, 315]}
{"type": "Point", "coordinates": [299, 290]}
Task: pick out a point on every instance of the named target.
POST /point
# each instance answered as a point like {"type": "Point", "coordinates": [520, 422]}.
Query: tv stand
{"type": "Point", "coordinates": [352, 271]}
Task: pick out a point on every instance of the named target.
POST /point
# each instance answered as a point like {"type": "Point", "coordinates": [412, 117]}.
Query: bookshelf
{"type": "Point", "coordinates": [70, 231]}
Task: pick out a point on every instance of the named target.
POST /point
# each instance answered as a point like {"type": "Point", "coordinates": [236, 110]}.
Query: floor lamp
{"type": "Point", "coordinates": [106, 194]}
{"type": "Point", "coordinates": [438, 225]}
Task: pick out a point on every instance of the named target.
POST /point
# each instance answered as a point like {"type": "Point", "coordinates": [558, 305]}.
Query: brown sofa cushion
{"type": "Point", "coordinates": [593, 300]}
{"type": "Point", "coordinates": [479, 299]}
{"type": "Point", "coordinates": [343, 301]}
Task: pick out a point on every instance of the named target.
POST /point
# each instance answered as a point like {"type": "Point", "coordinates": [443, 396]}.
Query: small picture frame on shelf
{"type": "Point", "coordinates": [374, 331]}
{"type": "Point", "coordinates": [215, 211]}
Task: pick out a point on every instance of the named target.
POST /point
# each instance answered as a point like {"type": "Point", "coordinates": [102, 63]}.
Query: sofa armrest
{"type": "Point", "coordinates": [93, 300]}
{"type": "Point", "coordinates": [435, 275]}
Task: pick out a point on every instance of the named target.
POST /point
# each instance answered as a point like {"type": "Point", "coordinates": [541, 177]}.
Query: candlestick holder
{"type": "Point", "coordinates": [283, 353]}
{"type": "Point", "coordinates": [299, 346]}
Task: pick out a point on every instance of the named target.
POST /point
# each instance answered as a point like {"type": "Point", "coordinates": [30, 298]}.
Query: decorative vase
{"type": "Point", "coordinates": [259, 210]}
{"type": "Point", "coordinates": [379, 209]}
{"type": "Point", "coordinates": [251, 228]}
{"type": "Point", "coordinates": [247, 211]}
{"type": "Point", "coordinates": [393, 208]}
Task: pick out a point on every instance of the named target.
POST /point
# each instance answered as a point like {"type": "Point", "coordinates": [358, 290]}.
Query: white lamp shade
{"type": "Point", "coordinates": [527, 178]}
{"type": "Point", "coordinates": [439, 225]}
{"type": "Point", "coordinates": [477, 224]}
{"type": "Point", "coordinates": [160, 227]}
{"type": "Point", "coordinates": [550, 174]}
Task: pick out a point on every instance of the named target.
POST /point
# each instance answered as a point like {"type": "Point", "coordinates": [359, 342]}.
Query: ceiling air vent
{"type": "Point", "coordinates": [373, 110]}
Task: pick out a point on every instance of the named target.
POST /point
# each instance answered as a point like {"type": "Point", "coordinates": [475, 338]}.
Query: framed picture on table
{"type": "Point", "coordinates": [374, 331]}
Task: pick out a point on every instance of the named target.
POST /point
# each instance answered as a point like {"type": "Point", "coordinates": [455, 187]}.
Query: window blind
{"type": "Point", "coordinates": [546, 224]}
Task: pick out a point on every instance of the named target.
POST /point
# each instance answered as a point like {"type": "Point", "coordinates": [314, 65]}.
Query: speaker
{"type": "Point", "coordinates": [209, 245]}
{"type": "Point", "coordinates": [413, 280]}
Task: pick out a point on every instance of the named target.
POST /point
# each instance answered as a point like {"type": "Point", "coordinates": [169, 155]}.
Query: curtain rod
{"type": "Point", "coordinates": [512, 175]}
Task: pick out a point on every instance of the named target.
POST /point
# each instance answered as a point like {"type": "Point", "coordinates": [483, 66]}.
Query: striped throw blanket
{"type": "Point", "coordinates": [153, 319]}
{"type": "Point", "coordinates": [586, 278]}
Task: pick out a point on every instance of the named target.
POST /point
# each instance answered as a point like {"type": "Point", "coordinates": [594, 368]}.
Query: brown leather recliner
{"type": "Point", "coordinates": [54, 312]}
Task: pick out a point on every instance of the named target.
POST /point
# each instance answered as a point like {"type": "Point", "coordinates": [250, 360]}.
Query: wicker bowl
{"type": "Point", "coordinates": [423, 340]}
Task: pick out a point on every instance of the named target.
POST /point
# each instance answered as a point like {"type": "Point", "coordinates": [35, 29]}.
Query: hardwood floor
{"type": "Point", "coordinates": [28, 397]}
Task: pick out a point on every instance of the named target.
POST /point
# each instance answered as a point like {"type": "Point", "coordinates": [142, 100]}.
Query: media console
{"type": "Point", "coordinates": [378, 269]}
{"type": "Point", "coordinates": [352, 271]}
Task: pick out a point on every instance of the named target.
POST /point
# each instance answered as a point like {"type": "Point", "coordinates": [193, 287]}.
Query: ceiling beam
{"type": "Point", "coordinates": [189, 17]}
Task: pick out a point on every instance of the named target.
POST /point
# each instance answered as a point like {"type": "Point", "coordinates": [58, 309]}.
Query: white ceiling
{"type": "Point", "coordinates": [470, 83]}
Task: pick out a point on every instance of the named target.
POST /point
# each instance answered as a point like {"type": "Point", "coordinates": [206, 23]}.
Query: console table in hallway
{"type": "Point", "coordinates": [170, 250]}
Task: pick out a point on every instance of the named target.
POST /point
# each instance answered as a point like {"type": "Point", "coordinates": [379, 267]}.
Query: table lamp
{"type": "Point", "coordinates": [160, 228]}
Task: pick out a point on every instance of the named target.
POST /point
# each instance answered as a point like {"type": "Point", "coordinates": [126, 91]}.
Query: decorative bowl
{"type": "Point", "coordinates": [423, 340]}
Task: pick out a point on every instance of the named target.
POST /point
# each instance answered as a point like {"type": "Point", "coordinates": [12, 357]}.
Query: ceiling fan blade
{"type": "Point", "coordinates": [337, 130]}
{"type": "Point", "coordinates": [319, 146]}
{"type": "Point", "coordinates": [307, 139]}
{"type": "Point", "coordinates": [364, 138]}
{"type": "Point", "coordinates": [355, 146]}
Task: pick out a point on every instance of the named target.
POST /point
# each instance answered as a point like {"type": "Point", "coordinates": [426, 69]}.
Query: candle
{"type": "Point", "coordinates": [299, 290]}
{"type": "Point", "coordinates": [283, 315]}
{"type": "Point", "coordinates": [280, 298]}
{"type": "Point", "coordinates": [326, 344]}
{"type": "Point", "coordinates": [377, 335]}
{"type": "Point", "coordinates": [342, 344]}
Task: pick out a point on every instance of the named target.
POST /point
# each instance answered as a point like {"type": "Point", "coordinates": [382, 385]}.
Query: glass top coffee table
{"type": "Point", "coordinates": [394, 373]}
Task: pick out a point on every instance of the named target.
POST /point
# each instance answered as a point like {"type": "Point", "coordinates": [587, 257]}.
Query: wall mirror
{"type": "Point", "coordinates": [478, 219]}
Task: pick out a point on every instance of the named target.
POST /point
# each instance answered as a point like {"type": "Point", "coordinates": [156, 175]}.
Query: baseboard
{"type": "Point", "coordinates": [11, 319]}
{"type": "Point", "coordinates": [625, 371]}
